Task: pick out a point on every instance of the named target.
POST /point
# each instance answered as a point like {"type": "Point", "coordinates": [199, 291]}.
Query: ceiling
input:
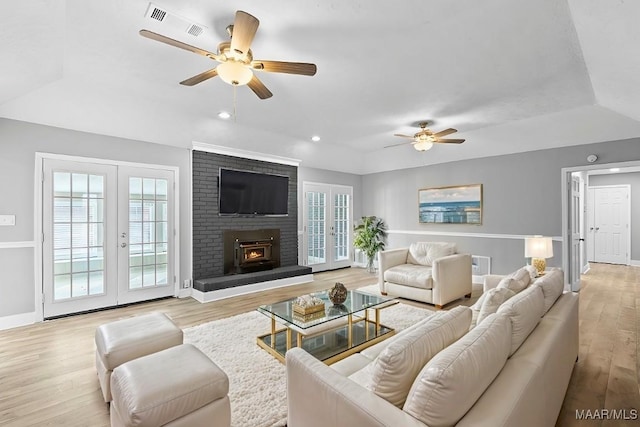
{"type": "Point", "coordinates": [510, 76]}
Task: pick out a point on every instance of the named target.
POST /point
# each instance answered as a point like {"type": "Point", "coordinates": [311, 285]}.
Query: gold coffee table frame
{"type": "Point", "coordinates": [361, 331]}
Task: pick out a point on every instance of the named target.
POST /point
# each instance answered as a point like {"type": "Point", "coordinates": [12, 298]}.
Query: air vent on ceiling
{"type": "Point", "coordinates": [195, 30]}
{"type": "Point", "coordinates": [158, 14]}
{"type": "Point", "coordinates": [172, 22]}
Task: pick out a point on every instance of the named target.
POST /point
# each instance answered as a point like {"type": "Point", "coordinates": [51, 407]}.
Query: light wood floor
{"type": "Point", "coordinates": [47, 373]}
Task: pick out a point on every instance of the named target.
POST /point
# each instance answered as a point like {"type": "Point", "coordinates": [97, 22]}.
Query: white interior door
{"type": "Point", "coordinates": [327, 224]}
{"type": "Point", "coordinates": [611, 219]}
{"type": "Point", "coordinates": [575, 226]}
{"type": "Point", "coordinates": [591, 254]}
{"type": "Point", "coordinates": [79, 249]}
{"type": "Point", "coordinates": [108, 235]}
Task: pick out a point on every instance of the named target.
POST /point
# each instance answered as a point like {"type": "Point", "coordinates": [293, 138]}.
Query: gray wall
{"type": "Point", "coordinates": [521, 196]}
{"type": "Point", "coordinates": [208, 226]}
{"type": "Point", "coordinates": [331, 177]}
{"type": "Point", "coordinates": [632, 179]}
{"type": "Point", "coordinates": [19, 141]}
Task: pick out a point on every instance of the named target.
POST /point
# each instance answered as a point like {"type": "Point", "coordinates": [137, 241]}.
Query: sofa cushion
{"type": "Point", "coordinates": [453, 380]}
{"type": "Point", "coordinates": [552, 285]}
{"type": "Point", "coordinates": [516, 281]}
{"type": "Point", "coordinates": [416, 276]}
{"type": "Point", "coordinates": [391, 374]}
{"type": "Point", "coordinates": [533, 272]}
{"type": "Point", "coordinates": [493, 300]}
{"type": "Point", "coordinates": [525, 311]}
{"type": "Point", "coordinates": [374, 351]}
{"type": "Point", "coordinates": [475, 310]}
{"type": "Point", "coordinates": [424, 253]}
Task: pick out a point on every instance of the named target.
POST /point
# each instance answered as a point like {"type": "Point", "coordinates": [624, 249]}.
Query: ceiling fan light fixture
{"type": "Point", "coordinates": [423, 145]}
{"type": "Point", "coordinates": [234, 73]}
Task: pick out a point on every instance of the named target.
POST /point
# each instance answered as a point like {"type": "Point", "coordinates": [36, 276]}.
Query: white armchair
{"type": "Point", "coordinates": [430, 272]}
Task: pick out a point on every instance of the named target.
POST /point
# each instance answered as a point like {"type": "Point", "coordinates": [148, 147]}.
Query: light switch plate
{"type": "Point", "coordinates": [7, 220]}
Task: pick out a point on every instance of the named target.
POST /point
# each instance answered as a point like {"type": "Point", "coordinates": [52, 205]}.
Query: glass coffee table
{"type": "Point", "coordinates": [330, 335]}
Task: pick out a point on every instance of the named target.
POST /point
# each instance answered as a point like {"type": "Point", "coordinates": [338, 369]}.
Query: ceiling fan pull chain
{"type": "Point", "coordinates": [235, 88]}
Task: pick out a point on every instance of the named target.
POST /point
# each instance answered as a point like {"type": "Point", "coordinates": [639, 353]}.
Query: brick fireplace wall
{"type": "Point", "coordinates": [208, 226]}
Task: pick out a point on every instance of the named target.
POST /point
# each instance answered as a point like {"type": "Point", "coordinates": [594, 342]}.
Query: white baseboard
{"type": "Point", "coordinates": [184, 293]}
{"type": "Point", "coordinates": [16, 320]}
{"type": "Point", "coordinates": [248, 289]}
{"type": "Point", "coordinates": [635, 263]}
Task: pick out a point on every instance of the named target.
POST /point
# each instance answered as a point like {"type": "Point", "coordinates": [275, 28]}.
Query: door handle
{"type": "Point", "coordinates": [123, 235]}
{"type": "Point", "coordinates": [123, 245]}
{"type": "Point", "coordinates": [597, 228]}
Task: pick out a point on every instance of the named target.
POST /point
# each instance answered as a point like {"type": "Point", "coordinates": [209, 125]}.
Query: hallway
{"type": "Point", "coordinates": [607, 373]}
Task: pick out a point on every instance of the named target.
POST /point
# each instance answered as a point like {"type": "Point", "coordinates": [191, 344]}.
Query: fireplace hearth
{"type": "Point", "coordinates": [248, 251]}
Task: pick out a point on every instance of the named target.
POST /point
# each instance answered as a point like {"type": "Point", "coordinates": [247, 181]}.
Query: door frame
{"type": "Point", "coordinates": [565, 179]}
{"type": "Point", "coordinates": [38, 217]}
{"type": "Point", "coordinates": [627, 259]}
{"type": "Point", "coordinates": [303, 247]}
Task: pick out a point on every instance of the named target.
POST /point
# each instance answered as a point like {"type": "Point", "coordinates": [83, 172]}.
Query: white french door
{"type": "Point", "coordinates": [145, 234]}
{"type": "Point", "coordinates": [327, 224]}
{"type": "Point", "coordinates": [107, 235]}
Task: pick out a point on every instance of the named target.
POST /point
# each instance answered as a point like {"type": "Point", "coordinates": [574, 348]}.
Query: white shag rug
{"type": "Point", "coordinates": [257, 381]}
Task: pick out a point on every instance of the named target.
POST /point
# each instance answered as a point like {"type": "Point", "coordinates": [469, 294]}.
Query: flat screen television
{"type": "Point", "coordinates": [252, 193]}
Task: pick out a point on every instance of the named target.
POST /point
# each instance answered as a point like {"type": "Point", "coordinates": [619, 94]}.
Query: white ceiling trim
{"type": "Point", "coordinates": [245, 154]}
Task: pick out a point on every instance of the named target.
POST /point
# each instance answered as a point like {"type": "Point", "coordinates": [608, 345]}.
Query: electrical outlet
{"type": "Point", "coordinates": [7, 220]}
{"type": "Point", "coordinates": [186, 283]}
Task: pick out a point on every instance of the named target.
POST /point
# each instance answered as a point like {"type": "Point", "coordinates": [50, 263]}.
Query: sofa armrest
{"type": "Point", "coordinates": [451, 278]}
{"type": "Point", "coordinates": [388, 259]}
{"type": "Point", "coordinates": [491, 281]}
{"type": "Point", "coordinates": [318, 396]}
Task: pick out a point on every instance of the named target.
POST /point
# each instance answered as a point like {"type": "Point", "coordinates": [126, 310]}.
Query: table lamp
{"type": "Point", "coordinates": [538, 248]}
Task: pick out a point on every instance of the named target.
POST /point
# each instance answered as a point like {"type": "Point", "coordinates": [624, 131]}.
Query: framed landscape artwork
{"type": "Point", "coordinates": [451, 205]}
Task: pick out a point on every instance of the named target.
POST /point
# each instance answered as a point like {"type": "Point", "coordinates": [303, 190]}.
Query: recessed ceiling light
{"type": "Point", "coordinates": [224, 115]}
{"type": "Point", "coordinates": [315, 138]}
{"type": "Point", "coordinates": [614, 170]}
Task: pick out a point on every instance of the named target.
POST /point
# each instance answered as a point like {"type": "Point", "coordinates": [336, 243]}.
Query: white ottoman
{"type": "Point", "coordinates": [124, 340]}
{"type": "Point", "coordinates": [179, 386]}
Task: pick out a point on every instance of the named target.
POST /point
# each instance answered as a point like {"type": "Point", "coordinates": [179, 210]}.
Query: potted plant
{"type": "Point", "coordinates": [369, 236]}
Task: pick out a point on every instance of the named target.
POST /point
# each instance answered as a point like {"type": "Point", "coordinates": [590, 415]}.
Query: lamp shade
{"type": "Point", "coordinates": [538, 247]}
{"type": "Point", "coordinates": [423, 145]}
{"type": "Point", "coordinates": [234, 72]}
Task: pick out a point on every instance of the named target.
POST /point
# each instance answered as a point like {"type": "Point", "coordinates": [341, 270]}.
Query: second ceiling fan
{"type": "Point", "coordinates": [236, 58]}
{"type": "Point", "coordinates": [425, 138]}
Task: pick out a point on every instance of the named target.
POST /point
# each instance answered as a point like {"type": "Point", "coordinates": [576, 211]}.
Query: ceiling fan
{"type": "Point", "coordinates": [424, 140]}
{"type": "Point", "coordinates": [236, 58]}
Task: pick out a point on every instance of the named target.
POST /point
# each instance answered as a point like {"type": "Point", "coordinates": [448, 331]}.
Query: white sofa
{"type": "Point", "coordinates": [512, 369]}
{"type": "Point", "coordinates": [430, 272]}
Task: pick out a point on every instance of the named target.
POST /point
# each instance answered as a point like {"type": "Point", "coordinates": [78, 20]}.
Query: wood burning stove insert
{"type": "Point", "coordinates": [247, 251]}
{"type": "Point", "coordinates": [253, 255]}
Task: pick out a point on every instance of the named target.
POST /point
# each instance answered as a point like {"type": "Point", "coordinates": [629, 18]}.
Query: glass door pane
{"type": "Point", "coordinates": [341, 227]}
{"type": "Point", "coordinates": [316, 229]}
{"type": "Point", "coordinates": [78, 235]}
{"type": "Point", "coordinates": [148, 237]}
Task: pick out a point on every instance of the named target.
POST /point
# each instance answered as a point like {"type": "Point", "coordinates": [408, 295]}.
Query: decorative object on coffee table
{"type": "Point", "coordinates": [369, 237]}
{"type": "Point", "coordinates": [306, 305]}
{"type": "Point", "coordinates": [338, 294]}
